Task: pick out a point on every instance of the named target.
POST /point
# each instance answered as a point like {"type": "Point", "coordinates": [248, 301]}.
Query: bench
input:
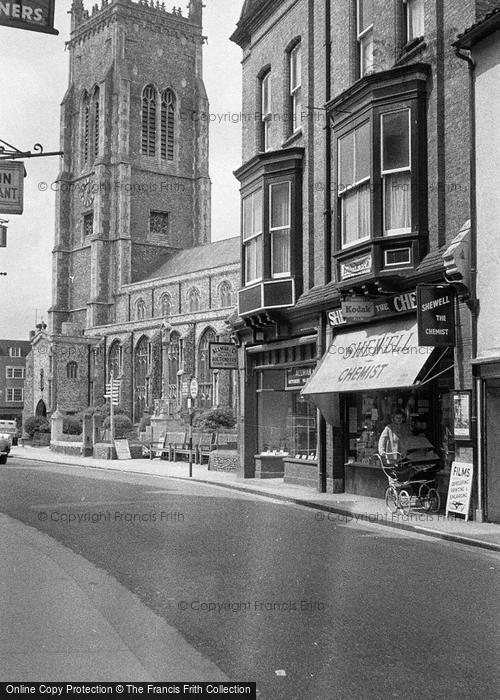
{"type": "Point", "coordinates": [155, 449]}
{"type": "Point", "coordinates": [176, 443]}
{"type": "Point", "coordinates": [207, 444]}
{"type": "Point", "coordinates": [183, 449]}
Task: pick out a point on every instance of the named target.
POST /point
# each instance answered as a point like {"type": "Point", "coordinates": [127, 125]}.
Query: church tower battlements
{"type": "Point", "coordinates": [134, 184]}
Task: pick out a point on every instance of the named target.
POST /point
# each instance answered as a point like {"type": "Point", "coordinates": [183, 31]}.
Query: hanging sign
{"type": "Point", "coordinates": [11, 185]}
{"type": "Point", "coordinates": [33, 15]}
{"type": "Point", "coordinates": [460, 489]}
{"type": "Point", "coordinates": [223, 356]}
{"type": "Point", "coordinates": [436, 315]}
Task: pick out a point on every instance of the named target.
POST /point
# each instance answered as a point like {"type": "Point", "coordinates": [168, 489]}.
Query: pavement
{"type": "Point", "coordinates": [352, 507]}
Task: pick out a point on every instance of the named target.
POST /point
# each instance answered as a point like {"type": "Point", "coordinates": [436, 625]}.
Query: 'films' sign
{"type": "Point", "coordinates": [33, 15]}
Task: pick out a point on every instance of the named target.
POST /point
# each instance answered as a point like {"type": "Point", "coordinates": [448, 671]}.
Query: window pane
{"type": "Point", "coordinates": [346, 164]}
{"type": "Point", "coordinates": [395, 140]}
{"type": "Point", "coordinates": [247, 217]}
{"type": "Point", "coordinates": [365, 15]}
{"type": "Point", "coordinates": [281, 252]}
{"type": "Point", "coordinates": [266, 94]}
{"type": "Point", "coordinates": [297, 109]}
{"type": "Point", "coordinates": [280, 205]}
{"type": "Point", "coordinates": [366, 44]}
{"type": "Point", "coordinates": [416, 26]}
{"type": "Point", "coordinates": [356, 215]}
{"type": "Point", "coordinates": [362, 159]}
{"type": "Point", "coordinates": [257, 211]}
{"type": "Point", "coordinates": [397, 202]}
{"type": "Point", "coordinates": [253, 259]}
{"type": "Point", "coordinates": [296, 67]}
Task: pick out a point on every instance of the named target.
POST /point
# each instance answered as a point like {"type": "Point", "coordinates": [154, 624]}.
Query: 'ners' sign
{"type": "Point", "coordinates": [34, 15]}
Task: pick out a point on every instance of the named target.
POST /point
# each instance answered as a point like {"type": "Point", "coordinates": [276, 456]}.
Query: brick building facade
{"type": "Point", "coordinates": [377, 187]}
{"type": "Point", "coordinates": [12, 377]}
{"type": "Point", "coordinates": [138, 287]}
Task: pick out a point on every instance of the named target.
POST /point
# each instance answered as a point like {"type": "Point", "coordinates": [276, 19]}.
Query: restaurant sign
{"type": "Point", "coordinates": [11, 185]}
{"type": "Point", "coordinates": [436, 315]}
{"type": "Point", "coordinates": [33, 15]}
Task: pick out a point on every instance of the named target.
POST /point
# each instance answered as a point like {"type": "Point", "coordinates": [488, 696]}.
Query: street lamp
{"type": "Point", "coordinates": [3, 233]}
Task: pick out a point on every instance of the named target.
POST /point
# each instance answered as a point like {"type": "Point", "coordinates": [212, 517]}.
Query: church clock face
{"type": "Point", "coordinates": [86, 194]}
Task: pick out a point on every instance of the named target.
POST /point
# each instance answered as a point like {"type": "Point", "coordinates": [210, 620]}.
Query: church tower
{"type": "Point", "coordinates": [134, 183]}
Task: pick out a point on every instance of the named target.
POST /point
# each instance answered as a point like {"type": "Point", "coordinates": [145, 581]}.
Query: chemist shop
{"type": "Point", "coordinates": [369, 371]}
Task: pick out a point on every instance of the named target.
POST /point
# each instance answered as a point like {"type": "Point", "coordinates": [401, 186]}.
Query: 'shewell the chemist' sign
{"type": "Point", "coordinates": [33, 15]}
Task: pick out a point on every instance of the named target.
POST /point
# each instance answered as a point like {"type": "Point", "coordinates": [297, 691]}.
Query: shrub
{"type": "Point", "coordinates": [144, 423]}
{"type": "Point", "coordinates": [215, 418]}
{"type": "Point", "coordinates": [72, 426]}
{"type": "Point", "coordinates": [35, 424]}
{"type": "Point", "coordinates": [123, 425]}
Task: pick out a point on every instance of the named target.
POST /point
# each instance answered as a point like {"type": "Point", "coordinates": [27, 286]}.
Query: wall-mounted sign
{"type": "Point", "coordinates": [436, 315]}
{"type": "Point", "coordinates": [223, 356]}
{"type": "Point", "coordinates": [459, 489]}
{"type": "Point", "coordinates": [357, 309]}
{"type": "Point", "coordinates": [33, 15]}
{"type": "Point", "coordinates": [387, 306]}
{"type": "Point", "coordinates": [462, 415]}
{"type": "Point", "coordinates": [11, 185]}
{"type": "Point", "coordinates": [296, 377]}
{"type": "Point", "coordinates": [356, 267]}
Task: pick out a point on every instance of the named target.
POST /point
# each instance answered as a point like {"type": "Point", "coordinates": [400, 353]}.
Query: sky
{"type": "Point", "coordinates": [33, 80]}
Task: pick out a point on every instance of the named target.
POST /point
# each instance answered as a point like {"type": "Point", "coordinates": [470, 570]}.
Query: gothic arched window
{"type": "Point", "coordinates": [149, 120]}
{"type": "Point", "coordinates": [96, 121]}
{"type": "Point", "coordinates": [194, 300]}
{"type": "Point", "coordinates": [225, 294]}
{"type": "Point", "coordinates": [72, 370]}
{"type": "Point", "coordinates": [168, 101]}
{"type": "Point", "coordinates": [115, 360]}
{"type": "Point", "coordinates": [140, 310]}
{"type": "Point", "coordinates": [173, 365]}
{"type": "Point", "coordinates": [205, 374]}
{"type": "Point", "coordinates": [141, 376]}
{"type": "Point", "coordinates": [85, 127]}
{"type": "Point", "coordinates": [166, 305]}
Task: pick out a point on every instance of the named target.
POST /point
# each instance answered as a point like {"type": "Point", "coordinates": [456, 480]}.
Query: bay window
{"type": "Point", "coordinates": [354, 185]}
{"type": "Point", "coordinates": [252, 236]}
{"type": "Point", "coordinates": [396, 171]}
{"type": "Point", "coordinates": [296, 88]}
{"type": "Point", "coordinates": [414, 19]}
{"type": "Point", "coordinates": [279, 227]}
{"type": "Point", "coordinates": [365, 36]}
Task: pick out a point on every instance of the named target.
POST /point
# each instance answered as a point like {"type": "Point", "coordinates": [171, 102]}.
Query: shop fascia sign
{"type": "Point", "coordinates": [399, 304]}
{"type": "Point", "coordinates": [33, 15]}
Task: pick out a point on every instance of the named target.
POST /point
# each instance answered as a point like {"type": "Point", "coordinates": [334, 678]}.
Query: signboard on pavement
{"type": "Point", "coordinates": [460, 489]}
{"type": "Point", "coordinates": [223, 356]}
{"type": "Point", "coordinates": [122, 449]}
{"type": "Point", "coordinates": [11, 186]}
{"type": "Point", "coordinates": [33, 15]}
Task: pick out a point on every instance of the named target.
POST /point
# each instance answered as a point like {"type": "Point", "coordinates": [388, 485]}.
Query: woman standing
{"type": "Point", "coordinates": [393, 441]}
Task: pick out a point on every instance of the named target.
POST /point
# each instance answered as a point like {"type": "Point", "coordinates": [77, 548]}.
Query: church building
{"type": "Point", "coordinates": [139, 290]}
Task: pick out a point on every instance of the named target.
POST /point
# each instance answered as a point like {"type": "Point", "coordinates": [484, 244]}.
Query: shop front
{"type": "Point", "coordinates": [366, 376]}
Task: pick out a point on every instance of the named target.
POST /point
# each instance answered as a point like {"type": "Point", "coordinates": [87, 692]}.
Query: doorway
{"type": "Point", "coordinates": [492, 401]}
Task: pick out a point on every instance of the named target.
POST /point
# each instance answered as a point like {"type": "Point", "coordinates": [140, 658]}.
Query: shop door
{"type": "Point", "coordinates": [493, 450]}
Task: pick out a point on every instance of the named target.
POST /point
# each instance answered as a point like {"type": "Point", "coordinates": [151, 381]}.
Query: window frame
{"type": "Point", "coordinates": [166, 297]}
{"type": "Point", "coordinates": [225, 293]}
{"type": "Point", "coordinates": [387, 233]}
{"type": "Point", "coordinates": [149, 115]}
{"type": "Point", "coordinates": [15, 351]}
{"type": "Point", "coordinates": [168, 123]}
{"type": "Point", "coordinates": [72, 370]}
{"type": "Point", "coordinates": [194, 292]}
{"type": "Point", "coordinates": [10, 372]}
{"type": "Point", "coordinates": [277, 183]}
{"type": "Point", "coordinates": [361, 36]}
{"type": "Point", "coordinates": [140, 309]}
{"type": "Point", "coordinates": [89, 216]}
{"type": "Point", "coordinates": [10, 391]}
{"type": "Point", "coordinates": [408, 263]}
{"type": "Point", "coordinates": [357, 184]}
{"type": "Point", "coordinates": [266, 117]}
{"type": "Point", "coordinates": [254, 236]}
{"type": "Point", "coordinates": [295, 88]}
{"type": "Point", "coordinates": [407, 20]}
{"type": "Point", "coordinates": [166, 217]}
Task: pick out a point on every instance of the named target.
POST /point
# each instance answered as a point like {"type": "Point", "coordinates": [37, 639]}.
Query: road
{"type": "Point", "coordinates": [309, 608]}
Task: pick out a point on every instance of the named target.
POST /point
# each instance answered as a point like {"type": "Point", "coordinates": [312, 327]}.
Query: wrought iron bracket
{"type": "Point", "coordinates": [9, 152]}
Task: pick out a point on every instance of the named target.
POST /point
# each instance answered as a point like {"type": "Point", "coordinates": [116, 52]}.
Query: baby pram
{"type": "Point", "coordinates": [412, 480]}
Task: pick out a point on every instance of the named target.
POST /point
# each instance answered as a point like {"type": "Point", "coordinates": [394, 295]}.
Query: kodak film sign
{"type": "Point", "coordinates": [33, 15]}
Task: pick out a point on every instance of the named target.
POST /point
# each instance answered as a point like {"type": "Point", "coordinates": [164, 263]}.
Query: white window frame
{"type": "Point", "coordinates": [10, 395]}
{"type": "Point", "coordinates": [266, 113]}
{"type": "Point", "coordinates": [15, 351]}
{"type": "Point", "coordinates": [275, 229]}
{"type": "Point", "coordinates": [295, 87]}
{"type": "Point", "coordinates": [411, 7]}
{"type": "Point", "coordinates": [406, 263]}
{"type": "Point", "coordinates": [254, 235]}
{"type": "Point", "coordinates": [383, 173]}
{"type": "Point", "coordinates": [363, 37]}
{"type": "Point", "coordinates": [10, 372]}
{"type": "Point", "coordinates": [354, 186]}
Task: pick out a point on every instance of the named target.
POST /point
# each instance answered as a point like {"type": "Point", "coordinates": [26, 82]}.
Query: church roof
{"type": "Point", "coordinates": [203, 257]}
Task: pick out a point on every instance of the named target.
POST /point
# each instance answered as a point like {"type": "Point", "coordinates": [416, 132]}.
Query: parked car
{"type": "Point", "coordinates": [5, 445]}
{"type": "Point", "coordinates": [9, 427]}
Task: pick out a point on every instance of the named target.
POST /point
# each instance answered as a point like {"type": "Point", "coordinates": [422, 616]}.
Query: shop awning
{"type": "Point", "coordinates": [382, 356]}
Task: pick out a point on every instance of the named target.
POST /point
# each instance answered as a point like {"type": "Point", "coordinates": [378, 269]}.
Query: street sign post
{"type": "Point", "coordinates": [193, 390]}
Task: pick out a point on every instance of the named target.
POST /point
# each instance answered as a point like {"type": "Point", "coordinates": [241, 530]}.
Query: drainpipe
{"type": "Point", "coordinates": [474, 302]}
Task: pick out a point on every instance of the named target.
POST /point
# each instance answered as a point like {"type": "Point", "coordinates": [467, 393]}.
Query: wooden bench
{"type": "Point", "coordinates": [207, 444]}
{"type": "Point", "coordinates": [156, 449]}
{"type": "Point", "coordinates": [183, 449]}
{"type": "Point", "coordinates": [176, 443]}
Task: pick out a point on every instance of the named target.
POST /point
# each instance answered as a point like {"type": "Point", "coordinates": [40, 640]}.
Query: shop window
{"type": "Point", "coordinates": [72, 370]}
{"type": "Point", "coordinates": [354, 185]}
{"type": "Point", "coordinates": [149, 120]}
{"type": "Point", "coordinates": [303, 431]}
{"type": "Point", "coordinates": [265, 109]}
{"type": "Point", "coordinates": [295, 71]}
{"type": "Point", "coordinates": [414, 20]}
{"type": "Point", "coordinates": [279, 216]}
{"type": "Point", "coordinates": [252, 236]}
{"type": "Point", "coordinates": [396, 171]}
{"type": "Point", "coordinates": [365, 36]}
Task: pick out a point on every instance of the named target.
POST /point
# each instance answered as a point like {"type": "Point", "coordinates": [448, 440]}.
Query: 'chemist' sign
{"type": "Point", "coordinates": [34, 15]}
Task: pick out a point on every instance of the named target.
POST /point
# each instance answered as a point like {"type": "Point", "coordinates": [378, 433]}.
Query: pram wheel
{"type": "Point", "coordinates": [391, 499]}
{"type": "Point", "coordinates": [423, 492]}
{"type": "Point", "coordinates": [433, 501]}
{"type": "Point", "coordinates": [405, 502]}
